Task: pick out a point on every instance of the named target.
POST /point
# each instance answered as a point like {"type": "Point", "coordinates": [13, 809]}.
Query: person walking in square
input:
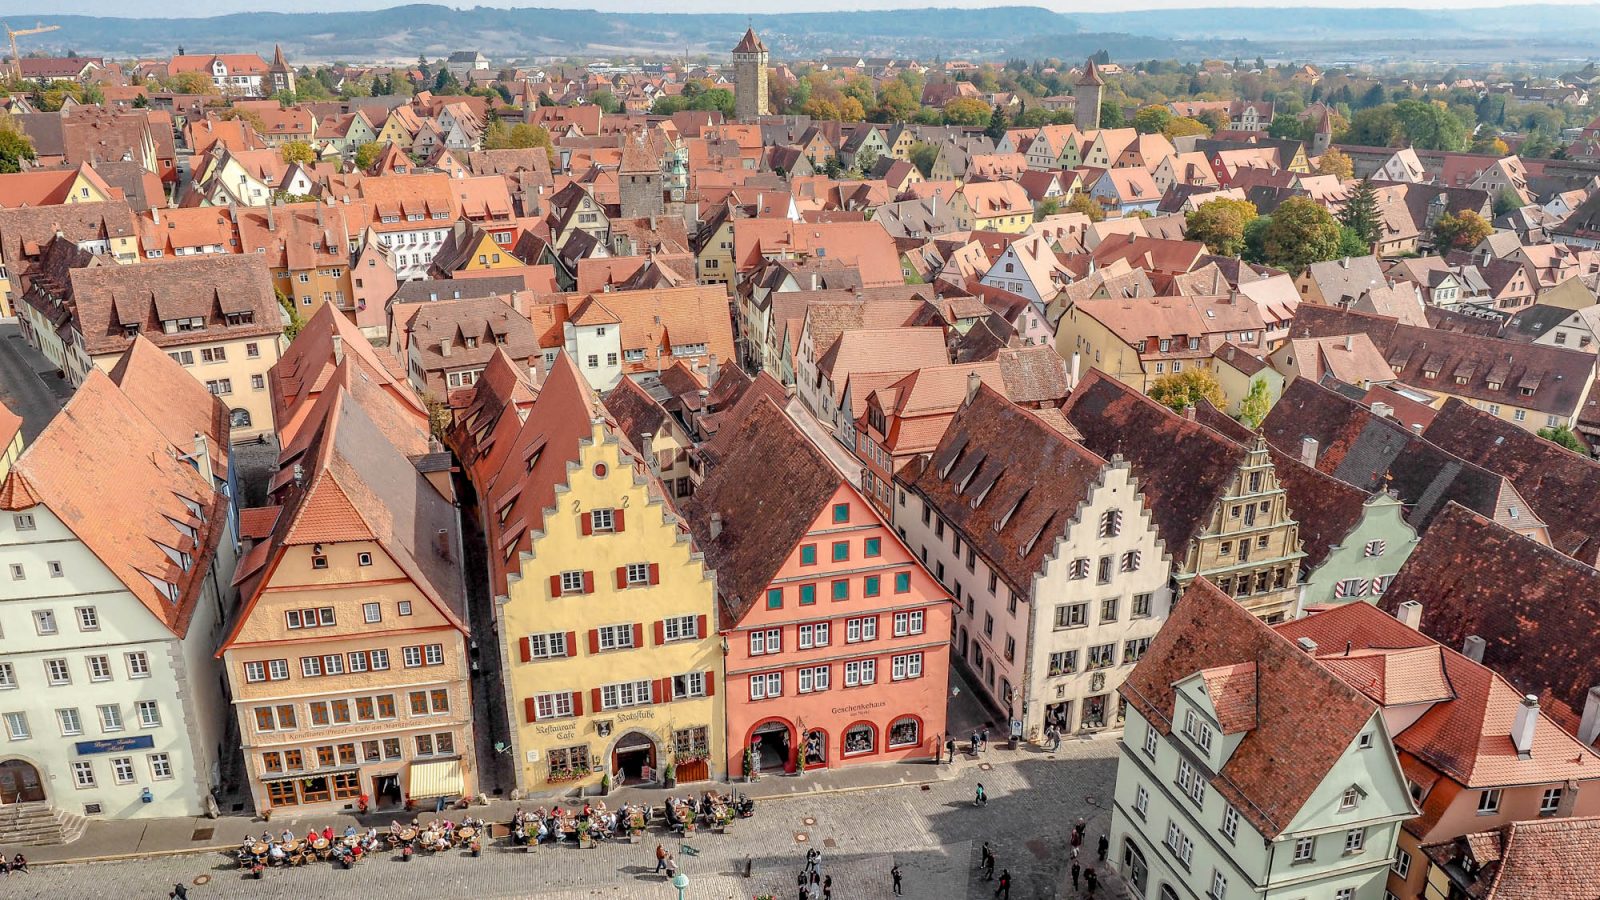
{"type": "Point", "coordinates": [661, 858]}
{"type": "Point", "coordinates": [827, 887]}
{"type": "Point", "coordinates": [895, 874]}
{"type": "Point", "coordinates": [986, 857]}
{"type": "Point", "coordinates": [1091, 880]}
{"type": "Point", "coordinates": [1102, 846]}
{"type": "Point", "coordinates": [1076, 871]}
{"type": "Point", "coordinates": [1004, 890]}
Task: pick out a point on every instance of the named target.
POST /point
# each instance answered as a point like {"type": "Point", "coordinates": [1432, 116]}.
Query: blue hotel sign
{"type": "Point", "coordinates": [116, 745]}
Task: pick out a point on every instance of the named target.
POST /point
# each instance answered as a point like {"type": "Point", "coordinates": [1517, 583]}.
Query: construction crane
{"type": "Point", "coordinates": [38, 28]}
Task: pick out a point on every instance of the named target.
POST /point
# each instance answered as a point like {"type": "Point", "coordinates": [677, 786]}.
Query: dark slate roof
{"type": "Point", "coordinates": [1008, 481]}
{"type": "Point", "coordinates": [1432, 359]}
{"type": "Point", "coordinates": [1375, 453]}
{"type": "Point", "coordinates": [768, 494]}
{"type": "Point", "coordinates": [457, 289]}
{"type": "Point", "coordinates": [635, 411]}
{"type": "Point", "coordinates": [1183, 467]}
{"type": "Point", "coordinates": [1562, 487]}
{"type": "Point", "coordinates": [1289, 745]}
{"type": "Point", "coordinates": [1536, 608]}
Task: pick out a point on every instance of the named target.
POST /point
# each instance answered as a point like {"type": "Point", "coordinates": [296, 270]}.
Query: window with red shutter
{"type": "Point", "coordinates": [616, 520]}
{"type": "Point", "coordinates": [527, 650]}
{"type": "Point", "coordinates": [594, 696]}
{"type": "Point", "coordinates": [655, 573]}
{"type": "Point", "coordinates": [529, 710]}
{"type": "Point", "coordinates": [586, 522]}
{"type": "Point", "coordinates": [577, 703]}
{"type": "Point", "coordinates": [555, 585]}
{"type": "Point", "coordinates": [622, 577]}
{"type": "Point", "coordinates": [638, 634]}
{"type": "Point", "coordinates": [588, 582]}
{"type": "Point", "coordinates": [711, 683]}
{"type": "Point", "coordinates": [661, 632]}
{"type": "Point", "coordinates": [572, 643]}
{"type": "Point", "coordinates": [700, 626]}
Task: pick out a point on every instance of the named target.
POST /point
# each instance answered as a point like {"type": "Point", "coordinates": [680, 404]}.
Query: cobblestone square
{"type": "Point", "coordinates": [933, 831]}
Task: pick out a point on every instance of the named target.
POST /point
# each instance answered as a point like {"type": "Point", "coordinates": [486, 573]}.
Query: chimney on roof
{"type": "Point", "coordinates": [711, 371]}
{"type": "Point", "coordinates": [441, 543]}
{"type": "Point", "coordinates": [716, 525]}
{"type": "Point", "coordinates": [155, 215]}
{"type": "Point", "coordinates": [1526, 723]}
{"type": "Point", "coordinates": [1344, 263]}
{"type": "Point", "coordinates": [1349, 342]}
{"type": "Point", "coordinates": [1382, 410]}
{"type": "Point", "coordinates": [338, 349]}
{"type": "Point", "coordinates": [648, 451]}
{"type": "Point", "coordinates": [1073, 370]}
{"type": "Point", "coordinates": [974, 381]}
{"type": "Point", "coordinates": [1307, 644]}
{"type": "Point", "coordinates": [444, 348]}
{"type": "Point", "coordinates": [1472, 648]}
{"type": "Point", "coordinates": [202, 455]}
{"type": "Point", "coordinates": [1410, 615]}
{"type": "Point", "coordinates": [1308, 451]}
{"type": "Point", "coordinates": [1589, 727]}
{"type": "Point", "coordinates": [1188, 412]}
{"type": "Point", "coordinates": [272, 220]}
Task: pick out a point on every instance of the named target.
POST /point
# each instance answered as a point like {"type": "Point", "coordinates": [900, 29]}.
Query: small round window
{"type": "Point", "coordinates": [599, 470]}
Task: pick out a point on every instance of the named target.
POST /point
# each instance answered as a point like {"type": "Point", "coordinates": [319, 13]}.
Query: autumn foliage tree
{"type": "Point", "coordinates": [966, 111]}
{"type": "Point", "coordinates": [1182, 389]}
{"type": "Point", "coordinates": [1219, 224]}
{"type": "Point", "coordinates": [1333, 162]}
{"type": "Point", "coordinates": [1460, 231]}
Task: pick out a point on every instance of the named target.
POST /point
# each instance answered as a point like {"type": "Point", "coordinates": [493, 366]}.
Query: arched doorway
{"type": "Point", "coordinates": [771, 743]}
{"type": "Point", "coordinates": [20, 782]}
{"type": "Point", "coordinates": [633, 758]}
{"type": "Point", "coordinates": [1134, 868]}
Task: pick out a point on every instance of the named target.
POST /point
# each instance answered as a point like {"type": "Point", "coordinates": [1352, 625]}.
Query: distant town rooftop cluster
{"type": "Point", "coordinates": [690, 422]}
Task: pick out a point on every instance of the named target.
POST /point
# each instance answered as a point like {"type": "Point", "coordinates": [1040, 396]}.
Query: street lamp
{"type": "Point", "coordinates": [680, 881]}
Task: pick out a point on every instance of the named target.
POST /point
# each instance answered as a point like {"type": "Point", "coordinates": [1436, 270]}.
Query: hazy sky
{"type": "Point", "coordinates": [43, 9]}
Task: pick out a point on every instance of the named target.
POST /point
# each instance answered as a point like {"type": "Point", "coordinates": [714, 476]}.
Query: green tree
{"type": "Point", "coordinates": [1430, 126]}
{"type": "Point", "coordinates": [1288, 128]}
{"type": "Point", "coordinates": [297, 152]}
{"type": "Point", "coordinates": [923, 155]}
{"type": "Point", "coordinates": [1460, 231]}
{"type": "Point", "coordinates": [1373, 127]}
{"type": "Point", "coordinates": [191, 83]}
{"type": "Point", "coordinates": [1045, 208]}
{"type": "Point", "coordinates": [14, 145]}
{"type": "Point", "coordinates": [1506, 201]}
{"type": "Point", "coordinates": [966, 111]}
{"type": "Point", "coordinates": [896, 103]}
{"type": "Point", "coordinates": [1184, 389]}
{"type": "Point", "coordinates": [445, 83]}
{"type": "Point", "coordinates": [1256, 404]}
{"type": "Point", "coordinates": [296, 321]}
{"type": "Point", "coordinates": [1111, 116]}
{"type": "Point", "coordinates": [998, 123]}
{"type": "Point", "coordinates": [1214, 119]}
{"type": "Point", "coordinates": [607, 101]}
{"type": "Point", "coordinates": [1351, 244]}
{"type": "Point", "coordinates": [1360, 212]}
{"type": "Point", "coordinates": [1220, 225]}
{"type": "Point", "coordinates": [1562, 434]}
{"type": "Point", "coordinates": [1299, 234]}
{"type": "Point", "coordinates": [1255, 238]}
{"type": "Point", "coordinates": [1152, 120]}
{"type": "Point", "coordinates": [367, 154]}
{"type": "Point", "coordinates": [865, 160]}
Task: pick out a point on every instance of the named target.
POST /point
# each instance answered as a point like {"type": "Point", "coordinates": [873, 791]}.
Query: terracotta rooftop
{"type": "Point", "coordinates": [1208, 631]}
{"type": "Point", "coordinates": [1535, 608]}
{"type": "Point", "coordinates": [1546, 859]}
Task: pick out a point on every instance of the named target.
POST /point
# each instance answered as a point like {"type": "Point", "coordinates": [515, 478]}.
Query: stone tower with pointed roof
{"type": "Point", "coordinates": [1087, 92]}
{"type": "Point", "coordinates": [280, 73]}
{"type": "Point", "coordinates": [750, 76]}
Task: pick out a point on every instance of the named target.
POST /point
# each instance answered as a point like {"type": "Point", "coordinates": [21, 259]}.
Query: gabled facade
{"type": "Point", "coordinates": [110, 701]}
{"type": "Point", "coordinates": [836, 635]}
{"type": "Point", "coordinates": [605, 612]}
{"type": "Point", "coordinates": [1061, 577]}
{"type": "Point", "coordinates": [348, 657]}
{"type": "Point", "coordinates": [1216, 502]}
{"type": "Point", "coordinates": [1246, 769]}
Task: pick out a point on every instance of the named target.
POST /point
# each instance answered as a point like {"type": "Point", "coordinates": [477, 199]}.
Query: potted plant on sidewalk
{"type": "Point", "coordinates": [750, 773]}
{"type": "Point", "coordinates": [669, 775]}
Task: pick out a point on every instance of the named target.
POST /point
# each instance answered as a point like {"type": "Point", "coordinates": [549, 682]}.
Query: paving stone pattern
{"type": "Point", "coordinates": [932, 831]}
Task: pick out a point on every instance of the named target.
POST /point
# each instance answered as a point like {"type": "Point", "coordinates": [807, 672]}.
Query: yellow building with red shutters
{"type": "Point", "coordinates": [605, 610]}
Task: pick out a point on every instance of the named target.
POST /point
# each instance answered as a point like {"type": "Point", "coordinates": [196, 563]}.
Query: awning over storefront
{"type": "Point", "coordinates": [435, 779]}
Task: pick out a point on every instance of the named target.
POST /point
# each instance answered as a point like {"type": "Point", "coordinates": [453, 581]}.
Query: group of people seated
{"type": "Point", "coordinates": [288, 849]}
{"type": "Point", "coordinates": [435, 836]}
{"type": "Point", "coordinates": [18, 864]}
{"type": "Point", "coordinates": [551, 826]}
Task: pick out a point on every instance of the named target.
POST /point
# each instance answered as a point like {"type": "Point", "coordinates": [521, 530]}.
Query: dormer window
{"type": "Point", "coordinates": [1197, 730]}
{"type": "Point", "coordinates": [1351, 797]}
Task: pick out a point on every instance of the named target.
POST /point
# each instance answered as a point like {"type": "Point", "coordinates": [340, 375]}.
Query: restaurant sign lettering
{"type": "Point", "coordinates": [116, 745]}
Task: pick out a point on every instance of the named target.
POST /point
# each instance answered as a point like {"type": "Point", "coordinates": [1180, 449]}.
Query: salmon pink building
{"type": "Point", "coordinates": [837, 639]}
